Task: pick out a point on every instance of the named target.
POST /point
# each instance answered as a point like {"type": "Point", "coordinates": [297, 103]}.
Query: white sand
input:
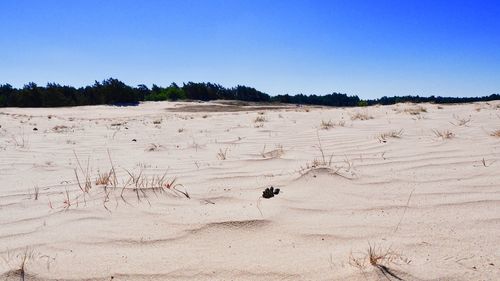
{"type": "Point", "coordinates": [431, 202]}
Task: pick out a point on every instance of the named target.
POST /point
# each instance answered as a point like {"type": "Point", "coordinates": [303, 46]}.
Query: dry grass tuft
{"type": "Point", "coordinates": [361, 116]}
{"type": "Point", "coordinates": [21, 142]}
{"type": "Point", "coordinates": [260, 119]}
{"type": "Point", "coordinates": [104, 178]}
{"type": "Point", "coordinates": [222, 154]}
{"type": "Point", "coordinates": [495, 133]}
{"type": "Point", "coordinates": [154, 147]}
{"type": "Point", "coordinates": [84, 173]}
{"type": "Point", "coordinates": [60, 128]}
{"type": "Point", "coordinates": [326, 163]}
{"type": "Point", "coordinates": [141, 183]}
{"type": "Point", "coordinates": [326, 125]}
{"type": "Point", "coordinates": [415, 110]}
{"type": "Point", "coordinates": [461, 121]}
{"type": "Point", "coordinates": [272, 154]}
{"type": "Point", "coordinates": [444, 134]}
{"type": "Point", "coordinates": [380, 258]}
{"type": "Point", "coordinates": [391, 134]}
{"type": "Point", "coordinates": [117, 124]}
{"type": "Point", "coordinates": [20, 261]}
{"type": "Point", "coordinates": [36, 192]}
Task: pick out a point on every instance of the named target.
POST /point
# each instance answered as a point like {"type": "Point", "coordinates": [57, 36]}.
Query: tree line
{"type": "Point", "coordinates": [115, 92]}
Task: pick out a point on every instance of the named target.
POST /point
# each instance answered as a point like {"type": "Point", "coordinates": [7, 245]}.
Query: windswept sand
{"type": "Point", "coordinates": [432, 204]}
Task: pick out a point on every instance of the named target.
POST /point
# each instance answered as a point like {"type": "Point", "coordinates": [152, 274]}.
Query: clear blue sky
{"type": "Point", "coordinates": [368, 48]}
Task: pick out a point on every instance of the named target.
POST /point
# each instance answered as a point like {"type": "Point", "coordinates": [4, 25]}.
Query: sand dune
{"type": "Point", "coordinates": [415, 186]}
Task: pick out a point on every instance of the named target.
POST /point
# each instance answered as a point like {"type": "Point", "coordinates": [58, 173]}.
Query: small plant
{"type": "Point", "coordinates": [157, 122]}
{"type": "Point", "coordinates": [180, 130]}
{"type": "Point", "coordinates": [495, 133]}
{"type": "Point", "coordinates": [445, 134]}
{"type": "Point", "coordinates": [21, 262]}
{"type": "Point", "coordinates": [326, 125]}
{"type": "Point", "coordinates": [415, 110]}
{"type": "Point", "coordinates": [118, 124]}
{"type": "Point", "coordinates": [222, 154]}
{"type": "Point", "coordinates": [459, 121]}
{"type": "Point", "coordinates": [67, 201]}
{"type": "Point", "coordinates": [87, 183]}
{"type": "Point", "coordinates": [391, 134]}
{"type": "Point", "coordinates": [326, 163]}
{"type": "Point", "coordinates": [104, 178]}
{"type": "Point", "coordinates": [275, 153]}
{"type": "Point", "coordinates": [260, 119]}
{"type": "Point", "coordinates": [21, 141]}
{"type": "Point", "coordinates": [486, 163]}
{"type": "Point", "coordinates": [140, 184]}
{"type": "Point", "coordinates": [323, 162]}
{"type": "Point", "coordinates": [36, 192]}
{"type": "Point", "coordinates": [154, 147]}
{"type": "Point", "coordinates": [361, 116]}
{"type": "Point", "coordinates": [380, 259]}
{"type": "Point", "coordinates": [60, 128]}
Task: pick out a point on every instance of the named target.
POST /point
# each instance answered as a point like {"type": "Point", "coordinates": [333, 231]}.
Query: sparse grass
{"type": "Point", "coordinates": [325, 163]}
{"type": "Point", "coordinates": [326, 125]}
{"type": "Point", "coordinates": [141, 183]}
{"type": "Point", "coordinates": [62, 128]}
{"type": "Point", "coordinates": [19, 263]}
{"type": "Point", "coordinates": [117, 124]}
{"type": "Point", "coordinates": [21, 142]}
{"type": "Point", "coordinates": [444, 134]}
{"type": "Point", "coordinates": [104, 178]}
{"type": "Point", "coordinates": [260, 119]}
{"type": "Point", "coordinates": [157, 122]}
{"type": "Point", "coordinates": [275, 153]}
{"type": "Point", "coordinates": [36, 192]}
{"type": "Point", "coordinates": [380, 258]}
{"type": "Point", "coordinates": [415, 110]}
{"type": "Point", "coordinates": [154, 147]}
{"type": "Point", "coordinates": [361, 116]}
{"type": "Point", "coordinates": [67, 200]}
{"type": "Point", "coordinates": [460, 121]}
{"type": "Point", "coordinates": [84, 173]}
{"type": "Point", "coordinates": [495, 133]}
{"type": "Point", "coordinates": [391, 134]}
{"type": "Point", "coordinates": [485, 163]}
{"type": "Point", "coordinates": [222, 154]}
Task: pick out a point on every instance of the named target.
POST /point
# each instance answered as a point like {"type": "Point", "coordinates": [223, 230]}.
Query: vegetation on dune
{"type": "Point", "coordinates": [113, 91]}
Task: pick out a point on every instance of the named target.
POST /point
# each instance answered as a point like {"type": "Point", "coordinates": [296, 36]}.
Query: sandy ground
{"type": "Point", "coordinates": [428, 206]}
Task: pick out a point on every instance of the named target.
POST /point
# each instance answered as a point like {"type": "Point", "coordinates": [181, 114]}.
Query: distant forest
{"type": "Point", "coordinates": [115, 92]}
